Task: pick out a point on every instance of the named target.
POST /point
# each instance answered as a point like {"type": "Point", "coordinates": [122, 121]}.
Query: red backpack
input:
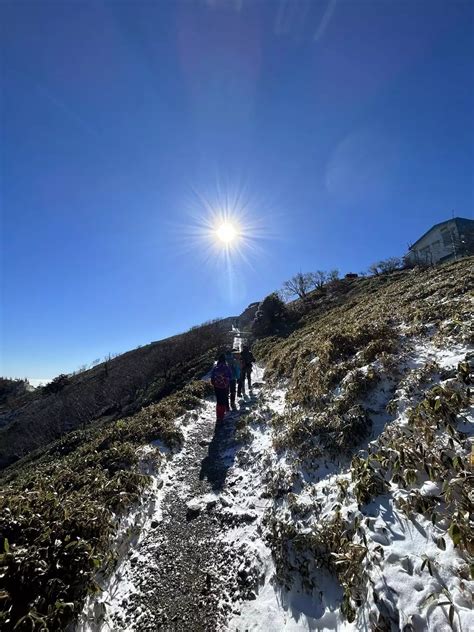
{"type": "Point", "coordinates": [220, 376]}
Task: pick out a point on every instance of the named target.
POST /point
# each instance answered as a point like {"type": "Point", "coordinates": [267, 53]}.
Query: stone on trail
{"type": "Point", "coordinates": [226, 501]}
{"type": "Point", "coordinates": [196, 505]}
{"type": "Point", "coordinates": [193, 508]}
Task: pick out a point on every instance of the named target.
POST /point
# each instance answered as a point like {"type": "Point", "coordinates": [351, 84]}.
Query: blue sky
{"type": "Point", "coordinates": [344, 128]}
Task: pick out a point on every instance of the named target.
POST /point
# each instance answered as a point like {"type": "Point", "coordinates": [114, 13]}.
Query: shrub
{"type": "Point", "coordinates": [272, 317]}
{"type": "Point", "coordinates": [330, 545]}
{"type": "Point", "coordinates": [10, 389]}
{"type": "Point", "coordinates": [56, 385]}
{"type": "Point", "coordinates": [59, 510]}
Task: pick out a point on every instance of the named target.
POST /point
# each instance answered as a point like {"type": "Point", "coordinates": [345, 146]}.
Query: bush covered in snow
{"type": "Point", "coordinates": [375, 438]}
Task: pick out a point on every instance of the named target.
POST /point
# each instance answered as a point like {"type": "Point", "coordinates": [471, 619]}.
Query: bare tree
{"type": "Point", "coordinates": [333, 275]}
{"type": "Point", "coordinates": [386, 265]}
{"type": "Point", "coordinates": [319, 279]}
{"type": "Point", "coordinates": [374, 269]}
{"type": "Point", "coordinates": [390, 265]}
{"type": "Point", "coordinates": [299, 285]}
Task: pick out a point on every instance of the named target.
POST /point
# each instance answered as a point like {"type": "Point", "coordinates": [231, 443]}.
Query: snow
{"type": "Point", "coordinates": [400, 580]}
{"type": "Point", "coordinates": [427, 351]}
{"type": "Point", "coordinates": [116, 588]}
{"type": "Point", "coordinates": [292, 611]}
{"type": "Point", "coordinates": [398, 546]}
{"type": "Point", "coordinates": [39, 381]}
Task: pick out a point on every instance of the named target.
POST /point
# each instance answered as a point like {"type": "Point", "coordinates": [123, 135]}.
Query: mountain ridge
{"type": "Point", "coordinates": [363, 410]}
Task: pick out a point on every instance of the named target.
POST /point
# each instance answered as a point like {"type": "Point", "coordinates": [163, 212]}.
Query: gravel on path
{"type": "Point", "coordinates": [182, 574]}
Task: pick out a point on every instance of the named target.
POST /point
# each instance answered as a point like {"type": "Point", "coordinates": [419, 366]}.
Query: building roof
{"type": "Point", "coordinates": [460, 220]}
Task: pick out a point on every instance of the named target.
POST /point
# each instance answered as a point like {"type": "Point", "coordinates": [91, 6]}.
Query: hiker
{"type": "Point", "coordinates": [240, 382]}
{"type": "Point", "coordinates": [246, 362]}
{"type": "Point", "coordinates": [234, 367]}
{"type": "Point", "coordinates": [220, 378]}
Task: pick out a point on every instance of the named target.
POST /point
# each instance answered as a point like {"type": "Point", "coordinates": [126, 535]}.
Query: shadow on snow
{"type": "Point", "coordinates": [223, 448]}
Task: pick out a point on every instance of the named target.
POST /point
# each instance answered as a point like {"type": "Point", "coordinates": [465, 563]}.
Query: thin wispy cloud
{"type": "Point", "coordinates": [326, 18]}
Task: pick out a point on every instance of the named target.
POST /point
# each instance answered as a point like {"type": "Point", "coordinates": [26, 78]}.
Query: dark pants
{"type": "Point", "coordinates": [247, 373]}
{"type": "Point", "coordinates": [222, 402]}
{"type": "Point", "coordinates": [233, 385]}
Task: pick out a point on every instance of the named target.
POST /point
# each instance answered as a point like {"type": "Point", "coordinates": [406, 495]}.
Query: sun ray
{"type": "Point", "coordinates": [226, 231]}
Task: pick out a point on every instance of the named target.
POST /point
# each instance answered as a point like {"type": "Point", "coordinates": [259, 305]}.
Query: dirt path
{"type": "Point", "coordinates": [183, 574]}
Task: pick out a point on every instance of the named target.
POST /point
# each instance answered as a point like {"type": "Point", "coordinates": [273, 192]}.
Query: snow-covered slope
{"type": "Point", "coordinates": [338, 498]}
{"type": "Point", "coordinates": [407, 571]}
{"type": "Point", "coordinates": [344, 487]}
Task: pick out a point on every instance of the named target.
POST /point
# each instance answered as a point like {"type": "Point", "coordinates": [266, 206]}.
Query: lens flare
{"type": "Point", "coordinates": [226, 231]}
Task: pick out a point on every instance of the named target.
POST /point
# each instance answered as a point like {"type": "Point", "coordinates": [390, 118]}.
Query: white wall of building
{"type": "Point", "coordinates": [438, 243]}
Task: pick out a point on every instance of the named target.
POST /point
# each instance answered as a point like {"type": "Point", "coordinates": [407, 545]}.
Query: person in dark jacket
{"type": "Point", "coordinates": [220, 378]}
{"type": "Point", "coordinates": [234, 367]}
{"type": "Point", "coordinates": [246, 362]}
{"type": "Point", "coordinates": [240, 383]}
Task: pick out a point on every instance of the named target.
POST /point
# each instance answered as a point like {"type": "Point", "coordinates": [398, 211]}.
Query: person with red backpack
{"type": "Point", "coordinates": [220, 378]}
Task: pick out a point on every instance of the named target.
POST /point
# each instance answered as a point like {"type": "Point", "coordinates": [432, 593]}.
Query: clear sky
{"type": "Point", "coordinates": [340, 130]}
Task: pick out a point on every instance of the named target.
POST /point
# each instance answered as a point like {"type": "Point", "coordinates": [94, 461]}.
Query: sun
{"type": "Point", "coordinates": [227, 228]}
{"type": "Point", "coordinates": [227, 233]}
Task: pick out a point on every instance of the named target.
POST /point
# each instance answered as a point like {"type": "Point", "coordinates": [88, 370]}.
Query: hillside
{"type": "Point", "coordinates": [110, 390]}
{"type": "Point", "coordinates": [11, 391]}
{"type": "Point", "coordinates": [338, 499]}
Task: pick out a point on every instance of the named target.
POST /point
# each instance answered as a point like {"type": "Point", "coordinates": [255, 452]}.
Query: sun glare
{"type": "Point", "coordinates": [227, 230]}
{"type": "Point", "coordinates": [227, 233]}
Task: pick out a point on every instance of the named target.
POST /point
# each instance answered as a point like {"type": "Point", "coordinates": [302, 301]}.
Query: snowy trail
{"type": "Point", "coordinates": [186, 570]}
{"type": "Point", "coordinates": [202, 562]}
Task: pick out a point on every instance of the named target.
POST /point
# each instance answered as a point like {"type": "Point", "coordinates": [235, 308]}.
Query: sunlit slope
{"type": "Point", "coordinates": [359, 356]}
{"type": "Point", "coordinates": [369, 477]}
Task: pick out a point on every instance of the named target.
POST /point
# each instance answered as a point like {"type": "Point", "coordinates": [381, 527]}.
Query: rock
{"type": "Point", "coordinates": [154, 524]}
{"type": "Point", "coordinates": [243, 574]}
{"type": "Point", "coordinates": [226, 501]}
{"type": "Point", "coordinates": [247, 516]}
{"type": "Point", "coordinates": [235, 480]}
{"type": "Point", "coordinates": [193, 509]}
{"type": "Point", "coordinates": [211, 503]}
